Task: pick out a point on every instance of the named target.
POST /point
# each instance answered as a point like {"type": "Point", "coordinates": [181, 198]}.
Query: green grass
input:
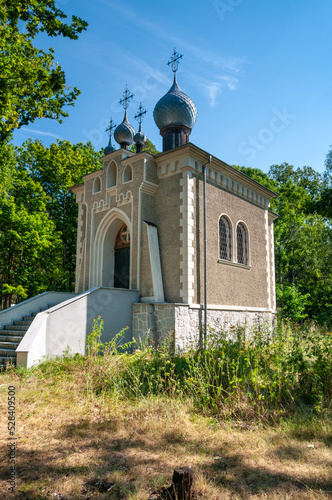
{"type": "Point", "coordinates": [252, 376]}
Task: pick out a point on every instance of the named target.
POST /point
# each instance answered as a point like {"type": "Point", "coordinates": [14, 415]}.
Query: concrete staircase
{"type": "Point", "coordinates": [11, 336]}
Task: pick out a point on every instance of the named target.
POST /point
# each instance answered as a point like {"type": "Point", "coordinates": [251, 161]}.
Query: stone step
{"type": "Point", "coordinates": [23, 322]}
{"type": "Point", "coordinates": [16, 328]}
{"type": "Point", "coordinates": [7, 352]}
{"type": "Point", "coordinates": [8, 345]}
{"type": "Point", "coordinates": [29, 318]}
{"type": "Point", "coordinates": [11, 338]}
{"type": "Point", "coordinates": [13, 332]}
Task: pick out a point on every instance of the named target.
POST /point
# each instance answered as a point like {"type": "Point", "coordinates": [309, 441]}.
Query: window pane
{"type": "Point", "coordinates": [242, 247]}
{"type": "Point", "coordinates": [225, 238]}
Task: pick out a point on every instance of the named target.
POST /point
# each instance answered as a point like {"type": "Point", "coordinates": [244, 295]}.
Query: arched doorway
{"type": "Point", "coordinates": [103, 255]}
{"type": "Point", "coordinates": [122, 258]}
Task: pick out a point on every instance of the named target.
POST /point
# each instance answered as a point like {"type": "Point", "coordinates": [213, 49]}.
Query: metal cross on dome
{"type": "Point", "coordinates": [111, 126]}
{"type": "Point", "coordinates": [174, 60]}
{"type": "Point", "coordinates": [140, 114]}
{"type": "Point", "coordinates": [127, 96]}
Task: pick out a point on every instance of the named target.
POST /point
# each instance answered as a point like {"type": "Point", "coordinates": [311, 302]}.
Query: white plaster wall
{"type": "Point", "coordinates": [68, 324]}
{"type": "Point", "coordinates": [71, 323]}
{"type": "Point", "coordinates": [34, 304]}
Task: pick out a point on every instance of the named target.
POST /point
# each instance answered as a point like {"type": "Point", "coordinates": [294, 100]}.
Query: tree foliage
{"type": "Point", "coordinates": [7, 165]}
{"type": "Point", "coordinates": [55, 169]}
{"type": "Point", "coordinates": [29, 242]}
{"type": "Point", "coordinates": [149, 147]}
{"type": "Point", "coordinates": [324, 205]}
{"type": "Point", "coordinates": [303, 244]}
{"type": "Point", "coordinates": [32, 85]}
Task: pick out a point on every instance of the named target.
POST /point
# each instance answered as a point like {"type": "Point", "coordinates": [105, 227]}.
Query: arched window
{"type": "Point", "coordinates": [225, 238]}
{"type": "Point", "coordinates": [242, 244]}
{"type": "Point", "coordinates": [127, 174]}
{"type": "Point", "coordinates": [111, 175]}
{"type": "Point", "coordinates": [97, 185]}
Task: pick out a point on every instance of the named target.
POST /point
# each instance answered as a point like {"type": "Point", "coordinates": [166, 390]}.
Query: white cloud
{"type": "Point", "coordinates": [40, 132]}
{"type": "Point", "coordinates": [213, 90]}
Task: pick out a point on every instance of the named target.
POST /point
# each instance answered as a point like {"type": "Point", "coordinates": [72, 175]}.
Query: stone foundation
{"type": "Point", "coordinates": [184, 323]}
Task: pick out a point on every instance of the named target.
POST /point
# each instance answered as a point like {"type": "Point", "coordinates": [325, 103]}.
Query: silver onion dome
{"type": "Point", "coordinates": [140, 137]}
{"type": "Point", "coordinates": [109, 148]}
{"type": "Point", "coordinates": [124, 133]}
{"type": "Point", "coordinates": [175, 109]}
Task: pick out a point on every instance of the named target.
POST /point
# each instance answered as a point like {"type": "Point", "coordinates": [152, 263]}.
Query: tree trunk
{"type": "Point", "coordinates": [183, 483]}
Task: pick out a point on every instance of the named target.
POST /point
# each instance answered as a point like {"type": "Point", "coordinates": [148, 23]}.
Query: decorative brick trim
{"type": "Point", "coordinates": [268, 260]}
{"type": "Point", "coordinates": [187, 238]}
{"type": "Point", "coordinates": [274, 300]}
{"type": "Point", "coordinates": [80, 256]}
{"type": "Point", "coordinates": [215, 176]}
{"type": "Point", "coordinates": [123, 199]}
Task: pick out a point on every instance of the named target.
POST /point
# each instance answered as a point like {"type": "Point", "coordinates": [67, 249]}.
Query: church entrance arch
{"type": "Point", "coordinates": [122, 258]}
{"type": "Point", "coordinates": [111, 256]}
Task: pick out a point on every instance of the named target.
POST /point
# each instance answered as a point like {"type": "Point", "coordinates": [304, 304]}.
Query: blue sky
{"type": "Point", "coordinates": [258, 71]}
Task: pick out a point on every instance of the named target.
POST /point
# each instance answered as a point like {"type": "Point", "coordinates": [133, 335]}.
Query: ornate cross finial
{"type": "Point", "coordinates": [127, 96]}
{"type": "Point", "coordinates": [140, 114]}
{"type": "Point", "coordinates": [110, 128]}
{"type": "Point", "coordinates": [174, 60]}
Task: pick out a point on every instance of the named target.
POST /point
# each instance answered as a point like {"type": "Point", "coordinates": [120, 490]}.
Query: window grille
{"type": "Point", "coordinates": [242, 244]}
{"type": "Point", "coordinates": [225, 239]}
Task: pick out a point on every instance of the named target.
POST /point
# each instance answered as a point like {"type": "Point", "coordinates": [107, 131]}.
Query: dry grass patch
{"type": "Point", "coordinates": [74, 444]}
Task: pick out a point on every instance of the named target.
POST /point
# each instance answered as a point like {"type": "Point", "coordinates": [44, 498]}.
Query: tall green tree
{"type": "Point", "coordinates": [32, 85]}
{"type": "Point", "coordinates": [57, 168]}
{"type": "Point", "coordinates": [324, 204]}
{"type": "Point", "coordinates": [303, 244]}
{"type": "Point", "coordinates": [7, 167]}
{"type": "Point", "coordinates": [29, 242]}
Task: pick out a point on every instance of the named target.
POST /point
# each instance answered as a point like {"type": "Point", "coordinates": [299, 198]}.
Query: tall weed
{"type": "Point", "coordinates": [247, 375]}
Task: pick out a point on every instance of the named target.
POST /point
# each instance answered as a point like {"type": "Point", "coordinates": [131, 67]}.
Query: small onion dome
{"type": "Point", "coordinates": [139, 139]}
{"type": "Point", "coordinates": [175, 109]}
{"type": "Point", "coordinates": [124, 133]}
{"type": "Point", "coordinates": [109, 148]}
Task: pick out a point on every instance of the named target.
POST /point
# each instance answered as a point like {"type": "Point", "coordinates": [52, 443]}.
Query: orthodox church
{"type": "Point", "coordinates": [192, 235]}
{"type": "Point", "coordinates": [176, 242]}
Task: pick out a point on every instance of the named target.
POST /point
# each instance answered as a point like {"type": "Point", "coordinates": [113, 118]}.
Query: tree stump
{"type": "Point", "coordinates": [183, 483]}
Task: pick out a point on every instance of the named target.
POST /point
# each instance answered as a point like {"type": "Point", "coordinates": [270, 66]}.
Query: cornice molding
{"type": "Point", "coordinates": [149, 188]}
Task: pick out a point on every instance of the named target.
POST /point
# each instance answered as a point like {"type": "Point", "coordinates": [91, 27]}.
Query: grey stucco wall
{"type": "Point", "coordinates": [227, 283]}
